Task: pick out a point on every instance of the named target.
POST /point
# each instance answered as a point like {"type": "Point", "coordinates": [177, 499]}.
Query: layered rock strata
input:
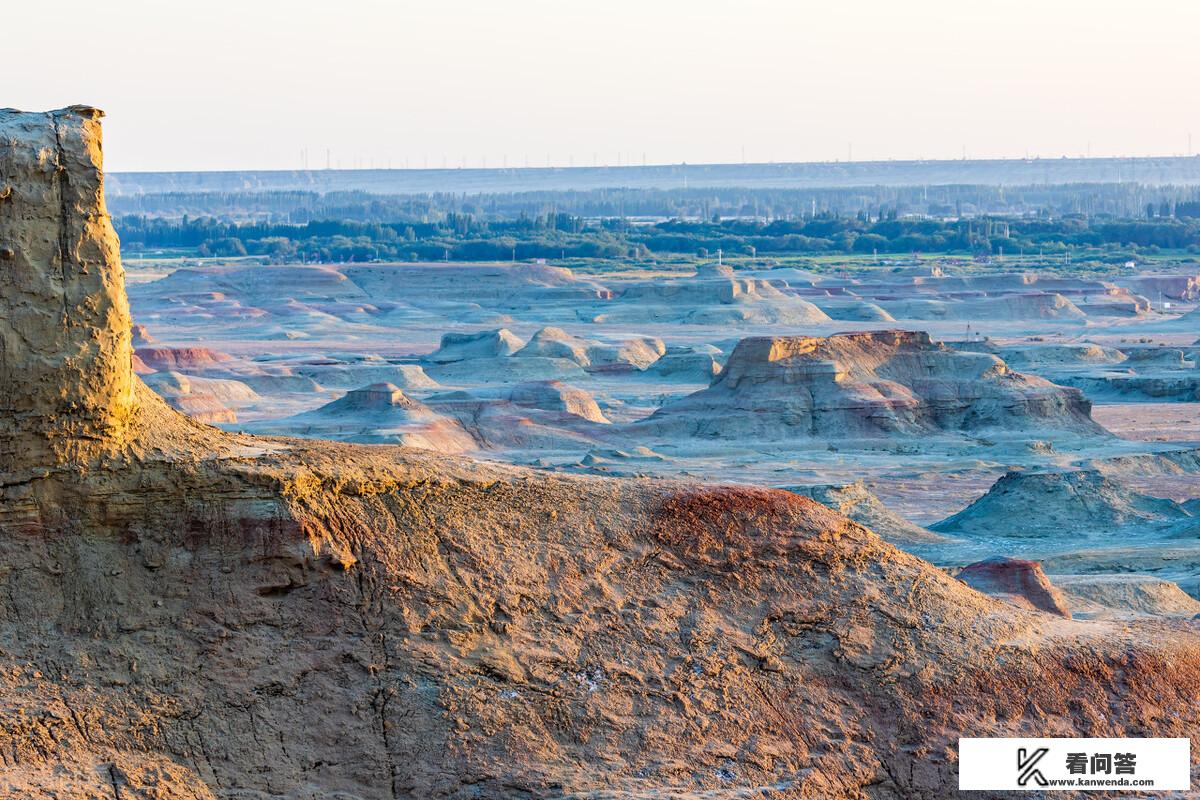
{"type": "Point", "coordinates": [870, 384]}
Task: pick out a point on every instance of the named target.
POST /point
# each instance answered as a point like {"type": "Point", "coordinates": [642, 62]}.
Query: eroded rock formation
{"type": "Point", "coordinates": [871, 384]}
{"type": "Point", "coordinates": [483, 344]}
{"type": "Point", "coordinates": [201, 615]}
{"type": "Point", "coordinates": [1078, 503]}
{"type": "Point", "coordinates": [66, 378]}
{"type": "Point", "coordinates": [379, 413]}
{"type": "Point", "coordinates": [557, 396]}
{"type": "Point", "coordinates": [714, 297]}
{"type": "Point", "coordinates": [1018, 581]}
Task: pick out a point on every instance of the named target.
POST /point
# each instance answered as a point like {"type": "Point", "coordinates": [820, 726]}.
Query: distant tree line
{"type": "Point", "coordinates": [468, 237]}
{"type": "Point", "coordinates": [458, 237]}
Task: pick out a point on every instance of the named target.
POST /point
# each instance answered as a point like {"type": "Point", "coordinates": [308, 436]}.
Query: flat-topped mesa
{"type": "Point", "coordinates": [375, 397]}
{"type": "Point", "coordinates": [841, 355]}
{"type": "Point", "coordinates": [866, 385]}
{"type": "Point", "coordinates": [67, 389]}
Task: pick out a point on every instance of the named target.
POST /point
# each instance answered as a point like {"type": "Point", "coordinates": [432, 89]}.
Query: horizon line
{"type": "Point", "coordinates": [661, 165]}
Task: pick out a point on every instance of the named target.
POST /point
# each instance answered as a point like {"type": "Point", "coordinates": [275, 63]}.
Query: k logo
{"type": "Point", "coordinates": [1026, 766]}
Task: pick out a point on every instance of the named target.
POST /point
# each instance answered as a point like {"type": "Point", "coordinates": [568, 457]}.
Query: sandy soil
{"type": "Point", "coordinates": [1151, 422]}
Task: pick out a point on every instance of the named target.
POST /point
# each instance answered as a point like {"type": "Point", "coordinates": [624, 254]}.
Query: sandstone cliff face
{"type": "Point", "coordinates": [871, 384]}
{"type": "Point", "coordinates": [208, 616]}
{"type": "Point", "coordinates": [66, 381]}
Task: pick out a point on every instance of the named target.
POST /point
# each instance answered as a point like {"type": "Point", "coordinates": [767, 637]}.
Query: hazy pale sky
{"type": "Point", "coordinates": [243, 84]}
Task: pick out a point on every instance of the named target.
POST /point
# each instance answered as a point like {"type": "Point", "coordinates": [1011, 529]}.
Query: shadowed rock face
{"type": "Point", "coordinates": [1019, 581]}
{"type": "Point", "coordinates": [873, 384]}
{"type": "Point", "coordinates": [66, 380]}
{"type": "Point", "coordinates": [690, 364]}
{"type": "Point", "coordinates": [203, 615]}
{"type": "Point", "coordinates": [1068, 503]}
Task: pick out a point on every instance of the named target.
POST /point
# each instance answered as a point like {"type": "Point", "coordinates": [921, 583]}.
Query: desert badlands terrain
{"type": "Point", "coordinates": [518, 530]}
{"type": "Point", "coordinates": [924, 389]}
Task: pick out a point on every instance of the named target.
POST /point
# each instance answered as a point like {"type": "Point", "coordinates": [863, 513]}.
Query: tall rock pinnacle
{"type": "Point", "coordinates": [66, 381]}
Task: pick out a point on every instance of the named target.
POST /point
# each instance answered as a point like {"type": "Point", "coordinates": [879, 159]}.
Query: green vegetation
{"type": "Point", "coordinates": [465, 237]}
{"type": "Point", "coordinates": [1107, 223]}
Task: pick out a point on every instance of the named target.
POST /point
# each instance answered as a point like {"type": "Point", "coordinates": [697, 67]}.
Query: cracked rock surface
{"type": "Point", "coordinates": [66, 382]}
